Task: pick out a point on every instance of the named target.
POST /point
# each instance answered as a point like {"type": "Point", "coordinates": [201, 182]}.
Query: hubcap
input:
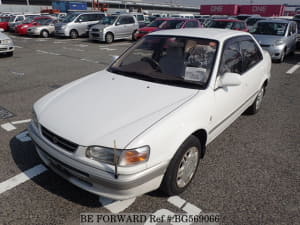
{"type": "Point", "coordinates": [259, 98]}
{"type": "Point", "coordinates": [187, 167]}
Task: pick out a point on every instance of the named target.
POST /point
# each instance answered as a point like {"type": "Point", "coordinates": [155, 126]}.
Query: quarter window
{"type": "Point", "coordinates": [191, 24]}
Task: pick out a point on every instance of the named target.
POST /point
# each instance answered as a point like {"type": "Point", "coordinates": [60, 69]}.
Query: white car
{"type": "Point", "coordinates": [145, 121]}
{"type": "Point", "coordinates": [6, 44]}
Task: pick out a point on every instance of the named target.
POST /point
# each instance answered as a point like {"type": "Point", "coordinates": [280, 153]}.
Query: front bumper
{"type": "Point", "coordinates": [33, 32]}
{"type": "Point", "coordinates": [96, 36]}
{"type": "Point", "coordinates": [92, 179]}
{"type": "Point", "coordinates": [275, 51]}
{"type": "Point", "coordinates": [6, 48]}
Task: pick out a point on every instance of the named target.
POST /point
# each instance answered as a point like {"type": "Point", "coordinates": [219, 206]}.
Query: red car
{"type": "Point", "coordinates": [228, 24]}
{"type": "Point", "coordinates": [4, 22]}
{"type": "Point", "coordinates": [22, 28]}
{"type": "Point", "coordinates": [167, 23]}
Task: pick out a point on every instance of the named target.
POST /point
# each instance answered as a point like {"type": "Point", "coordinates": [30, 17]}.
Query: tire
{"type": "Point", "coordinates": [182, 167]}
{"type": "Point", "coordinates": [10, 54]}
{"type": "Point", "coordinates": [109, 38]}
{"type": "Point", "coordinates": [282, 57]}
{"type": "Point", "coordinates": [133, 36]}
{"type": "Point", "coordinates": [73, 34]}
{"type": "Point", "coordinates": [44, 34]}
{"type": "Point", "coordinates": [255, 107]}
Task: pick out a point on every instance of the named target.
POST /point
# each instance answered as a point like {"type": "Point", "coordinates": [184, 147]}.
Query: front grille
{"type": "Point", "coordinates": [95, 35]}
{"type": "Point", "coordinates": [95, 30]}
{"type": "Point", "coordinates": [59, 141]}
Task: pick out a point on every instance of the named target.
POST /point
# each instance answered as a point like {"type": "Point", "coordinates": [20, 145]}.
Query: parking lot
{"type": "Point", "coordinates": [250, 174]}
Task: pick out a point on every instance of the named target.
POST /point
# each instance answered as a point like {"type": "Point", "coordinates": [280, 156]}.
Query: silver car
{"type": "Point", "coordinates": [6, 44]}
{"type": "Point", "coordinates": [76, 24]}
{"type": "Point", "coordinates": [278, 37]}
{"type": "Point", "coordinates": [45, 30]}
{"type": "Point", "coordinates": [114, 27]}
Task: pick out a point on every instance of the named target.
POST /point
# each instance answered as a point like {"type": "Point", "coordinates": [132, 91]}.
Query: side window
{"type": "Point", "coordinates": [19, 18]}
{"type": "Point", "coordinates": [237, 26]}
{"type": "Point", "coordinates": [191, 24]}
{"type": "Point", "coordinates": [130, 19]}
{"type": "Point", "coordinates": [242, 26]}
{"type": "Point", "coordinates": [83, 18]}
{"type": "Point", "coordinates": [92, 17]}
{"type": "Point", "coordinates": [122, 20]}
{"type": "Point", "coordinates": [231, 60]}
{"type": "Point", "coordinates": [251, 54]}
{"type": "Point", "coordinates": [99, 16]}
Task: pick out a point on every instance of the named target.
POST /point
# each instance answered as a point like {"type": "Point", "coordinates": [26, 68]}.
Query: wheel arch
{"type": "Point", "coordinates": [201, 134]}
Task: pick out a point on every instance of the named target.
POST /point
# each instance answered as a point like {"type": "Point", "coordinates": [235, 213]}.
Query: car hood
{"type": "Point", "coordinates": [267, 39]}
{"type": "Point", "coordinates": [3, 36]}
{"type": "Point", "coordinates": [103, 107]}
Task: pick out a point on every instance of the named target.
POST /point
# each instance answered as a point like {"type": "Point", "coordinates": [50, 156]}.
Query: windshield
{"type": "Point", "coordinates": [252, 21]}
{"type": "Point", "coordinates": [242, 17]}
{"type": "Point", "coordinates": [155, 23]}
{"type": "Point", "coordinates": [220, 24]}
{"type": "Point", "coordinates": [29, 19]}
{"type": "Point", "coordinates": [171, 24]}
{"type": "Point", "coordinates": [277, 29]}
{"type": "Point", "coordinates": [178, 61]}
{"type": "Point", "coordinates": [69, 18]}
{"type": "Point", "coordinates": [108, 20]}
{"type": "Point", "coordinates": [12, 18]}
{"type": "Point", "coordinates": [4, 19]}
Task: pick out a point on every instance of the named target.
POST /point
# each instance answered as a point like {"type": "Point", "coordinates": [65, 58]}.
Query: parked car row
{"type": "Point", "coordinates": [278, 36]}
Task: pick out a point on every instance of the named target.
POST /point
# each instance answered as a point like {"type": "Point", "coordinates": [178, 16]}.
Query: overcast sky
{"type": "Point", "coordinates": [197, 3]}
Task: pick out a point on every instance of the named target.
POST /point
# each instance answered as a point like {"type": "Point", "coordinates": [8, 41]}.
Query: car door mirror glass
{"type": "Point", "coordinates": [229, 79]}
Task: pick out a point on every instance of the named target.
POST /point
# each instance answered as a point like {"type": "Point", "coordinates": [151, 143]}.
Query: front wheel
{"type": "Point", "coordinates": [44, 34]}
{"type": "Point", "coordinates": [109, 38]}
{"type": "Point", "coordinates": [74, 34]}
{"type": "Point", "coordinates": [182, 167]}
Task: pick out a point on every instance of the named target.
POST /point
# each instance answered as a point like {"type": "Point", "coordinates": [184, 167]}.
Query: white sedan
{"type": "Point", "coordinates": [145, 121]}
{"type": "Point", "coordinates": [6, 44]}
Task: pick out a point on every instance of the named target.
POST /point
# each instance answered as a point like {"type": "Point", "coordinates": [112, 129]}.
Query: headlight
{"type": "Point", "coordinates": [278, 42]}
{"type": "Point", "coordinates": [25, 26]}
{"type": "Point", "coordinates": [63, 27]}
{"type": "Point", "coordinates": [126, 157]}
{"type": "Point", "coordinates": [35, 119]}
{"type": "Point", "coordinates": [6, 41]}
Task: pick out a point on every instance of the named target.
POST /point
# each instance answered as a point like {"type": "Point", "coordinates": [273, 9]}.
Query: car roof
{"type": "Point", "coordinates": [227, 20]}
{"type": "Point", "coordinates": [207, 33]}
{"type": "Point", "coordinates": [273, 21]}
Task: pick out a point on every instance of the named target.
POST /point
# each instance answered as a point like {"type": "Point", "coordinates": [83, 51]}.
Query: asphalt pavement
{"type": "Point", "coordinates": [250, 173]}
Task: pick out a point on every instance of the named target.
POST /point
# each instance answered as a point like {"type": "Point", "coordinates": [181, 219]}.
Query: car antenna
{"type": "Point", "coordinates": [115, 160]}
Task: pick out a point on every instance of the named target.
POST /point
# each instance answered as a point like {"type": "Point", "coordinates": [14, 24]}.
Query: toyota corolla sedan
{"type": "Point", "coordinates": [144, 122]}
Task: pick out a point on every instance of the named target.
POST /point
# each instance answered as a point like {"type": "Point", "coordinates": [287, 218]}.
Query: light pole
{"type": "Point", "coordinates": [27, 1]}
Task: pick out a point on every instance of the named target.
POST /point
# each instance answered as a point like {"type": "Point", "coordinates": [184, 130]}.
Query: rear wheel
{"type": "Point", "coordinates": [74, 34]}
{"type": "Point", "coordinates": [182, 167]}
{"type": "Point", "coordinates": [44, 33]}
{"type": "Point", "coordinates": [254, 108]}
{"type": "Point", "coordinates": [109, 38]}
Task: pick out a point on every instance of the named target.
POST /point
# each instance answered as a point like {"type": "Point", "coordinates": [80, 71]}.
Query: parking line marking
{"type": "Point", "coordinates": [8, 127]}
{"type": "Point", "coordinates": [107, 49]}
{"type": "Point", "coordinates": [16, 46]}
{"type": "Point", "coordinates": [22, 178]}
{"type": "Point", "coordinates": [293, 69]}
{"type": "Point", "coordinates": [116, 206]}
{"type": "Point", "coordinates": [45, 52]}
{"type": "Point", "coordinates": [88, 60]}
{"type": "Point", "coordinates": [73, 49]}
{"type": "Point", "coordinates": [191, 209]}
{"type": "Point", "coordinates": [21, 121]}
{"type": "Point", "coordinates": [176, 201]}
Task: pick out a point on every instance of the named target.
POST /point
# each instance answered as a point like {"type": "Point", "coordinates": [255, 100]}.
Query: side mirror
{"type": "Point", "coordinates": [1, 30]}
{"type": "Point", "coordinates": [229, 79]}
